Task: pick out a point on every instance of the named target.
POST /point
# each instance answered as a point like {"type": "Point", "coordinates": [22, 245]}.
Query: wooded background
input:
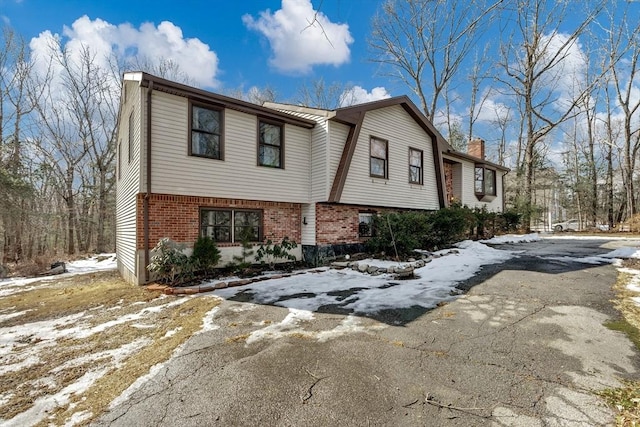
{"type": "Point", "coordinates": [567, 124]}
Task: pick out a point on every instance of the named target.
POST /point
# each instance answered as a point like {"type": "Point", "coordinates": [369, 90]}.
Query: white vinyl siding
{"type": "Point", "coordinates": [238, 176]}
{"type": "Point", "coordinates": [338, 135]}
{"type": "Point", "coordinates": [308, 236]}
{"type": "Point", "coordinates": [457, 181]}
{"type": "Point", "coordinates": [468, 193]}
{"type": "Point", "coordinates": [128, 184]}
{"type": "Point", "coordinates": [319, 152]}
{"type": "Point", "coordinates": [319, 176]}
{"type": "Point", "coordinates": [327, 142]}
{"type": "Point", "coordinates": [395, 125]}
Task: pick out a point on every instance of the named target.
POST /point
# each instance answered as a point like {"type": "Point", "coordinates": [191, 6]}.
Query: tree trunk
{"type": "Point", "coordinates": [610, 187]}
{"type": "Point", "coordinates": [102, 212]}
{"type": "Point", "coordinates": [71, 213]}
{"type": "Point", "coordinates": [529, 165]}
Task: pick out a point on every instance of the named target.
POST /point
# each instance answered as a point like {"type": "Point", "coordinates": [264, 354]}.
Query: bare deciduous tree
{"type": "Point", "coordinates": [535, 63]}
{"type": "Point", "coordinates": [77, 119]}
{"type": "Point", "coordinates": [254, 95]}
{"type": "Point", "coordinates": [319, 94]}
{"type": "Point", "coordinates": [424, 43]}
{"type": "Point", "coordinates": [624, 55]}
{"type": "Point", "coordinates": [15, 106]}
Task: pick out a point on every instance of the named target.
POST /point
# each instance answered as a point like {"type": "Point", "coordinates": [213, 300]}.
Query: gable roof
{"type": "Point", "coordinates": [174, 88]}
{"type": "Point", "coordinates": [353, 116]}
{"type": "Point", "coordinates": [349, 115]}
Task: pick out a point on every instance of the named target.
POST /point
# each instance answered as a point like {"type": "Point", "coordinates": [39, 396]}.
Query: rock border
{"type": "Point", "coordinates": [209, 287]}
{"type": "Point", "coordinates": [401, 270]}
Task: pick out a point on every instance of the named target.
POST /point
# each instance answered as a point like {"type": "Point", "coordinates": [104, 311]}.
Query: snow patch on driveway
{"type": "Point", "coordinates": [361, 293]}
{"type": "Point", "coordinates": [292, 325]}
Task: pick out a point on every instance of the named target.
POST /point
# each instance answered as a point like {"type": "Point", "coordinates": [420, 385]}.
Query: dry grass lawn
{"type": "Point", "coordinates": [73, 345]}
{"type": "Point", "coordinates": [626, 400]}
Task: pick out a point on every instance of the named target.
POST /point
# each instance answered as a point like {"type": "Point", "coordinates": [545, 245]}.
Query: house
{"type": "Point", "coordinates": [191, 162]}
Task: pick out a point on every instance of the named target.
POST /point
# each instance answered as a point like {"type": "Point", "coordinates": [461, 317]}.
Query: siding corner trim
{"type": "Point", "coordinates": [345, 160]}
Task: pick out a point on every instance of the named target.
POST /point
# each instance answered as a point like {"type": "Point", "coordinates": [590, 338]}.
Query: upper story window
{"type": "Point", "coordinates": [206, 132]}
{"type": "Point", "coordinates": [270, 144]}
{"type": "Point", "coordinates": [415, 166]}
{"type": "Point", "coordinates": [485, 181]}
{"type": "Point", "coordinates": [379, 158]}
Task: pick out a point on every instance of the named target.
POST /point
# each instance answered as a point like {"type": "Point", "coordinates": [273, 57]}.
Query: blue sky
{"type": "Point", "coordinates": [243, 51]}
{"type": "Point", "coordinates": [232, 46]}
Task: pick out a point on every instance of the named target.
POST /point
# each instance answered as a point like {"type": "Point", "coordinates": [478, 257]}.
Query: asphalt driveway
{"type": "Point", "coordinates": [526, 346]}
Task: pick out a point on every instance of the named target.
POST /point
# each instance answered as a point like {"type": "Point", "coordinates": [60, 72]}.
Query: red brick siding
{"type": "Point", "coordinates": [475, 148]}
{"type": "Point", "coordinates": [178, 217]}
{"type": "Point", "coordinates": [339, 223]}
{"type": "Point", "coordinates": [448, 179]}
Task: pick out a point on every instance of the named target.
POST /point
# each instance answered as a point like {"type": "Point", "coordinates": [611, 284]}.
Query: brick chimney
{"type": "Point", "coordinates": [475, 148]}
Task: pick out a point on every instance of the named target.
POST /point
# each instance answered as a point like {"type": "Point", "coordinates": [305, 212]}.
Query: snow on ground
{"type": "Point", "coordinates": [365, 294]}
{"type": "Point", "coordinates": [609, 257]}
{"type": "Point", "coordinates": [512, 238]}
{"type": "Point", "coordinates": [26, 345]}
{"type": "Point", "coordinates": [635, 240]}
{"type": "Point", "coordinates": [362, 293]}
{"type": "Point", "coordinates": [95, 263]}
{"type": "Point", "coordinates": [207, 325]}
{"type": "Point", "coordinates": [301, 294]}
{"type": "Point", "coordinates": [42, 335]}
{"type": "Point", "coordinates": [292, 324]}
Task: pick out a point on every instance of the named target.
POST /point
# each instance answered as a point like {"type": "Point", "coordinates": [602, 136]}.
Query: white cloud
{"type": "Point", "coordinates": [130, 45]}
{"type": "Point", "coordinates": [301, 37]}
{"type": "Point", "coordinates": [490, 111]}
{"type": "Point", "coordinates": [359, 95]}
{"type": "Point", "coordinates": [441, 120]}
{"type": "Point", "coordinates": [570, 63]}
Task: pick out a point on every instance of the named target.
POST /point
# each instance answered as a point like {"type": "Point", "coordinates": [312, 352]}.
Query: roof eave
{"type": "Point", "coordinates": [180, 89]}
{"type": "Point", "coordinates": [465, 156]}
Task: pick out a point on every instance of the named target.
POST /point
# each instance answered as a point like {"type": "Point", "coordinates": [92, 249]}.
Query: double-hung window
{"type": "Point", "coordinates": [485, 181]}
{"type": "Point", "coordinates": [379, 158]}
{"type": "Point", "coordinates": [415, 166]}
{"type": "Point", "coordinates": [206, 132]}
{"type": "Point", "coordinates": [270, 144]}
{"type": "Point", "coordinates": [229, 226]}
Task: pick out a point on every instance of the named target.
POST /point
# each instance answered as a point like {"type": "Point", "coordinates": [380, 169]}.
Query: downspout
{"type": "Point", "coordinates": [145, 205]}
{"type": "Point", "coordinates": [503, 200]}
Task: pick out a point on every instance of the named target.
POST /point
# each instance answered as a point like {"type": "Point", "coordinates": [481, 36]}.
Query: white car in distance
{"type": "Point", "coordinates": [569, 225]}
